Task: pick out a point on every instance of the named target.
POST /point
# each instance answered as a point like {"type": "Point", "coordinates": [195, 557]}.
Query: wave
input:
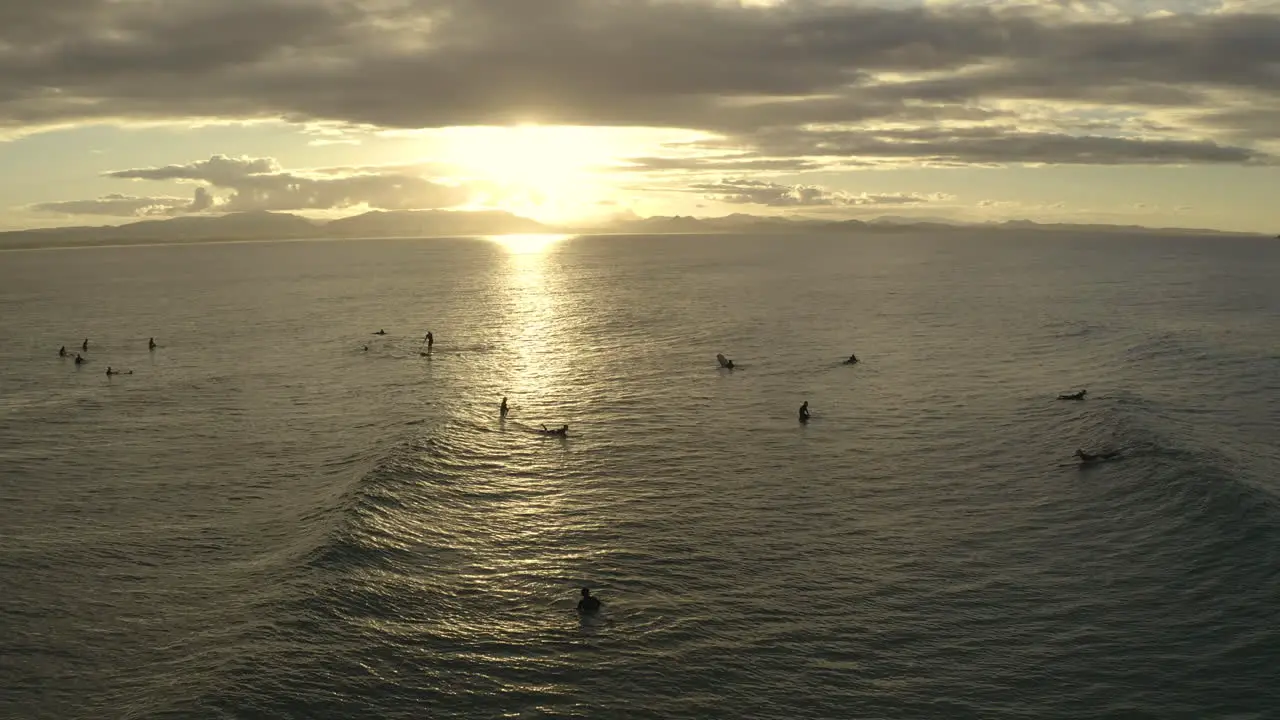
{"type": "Point", "coordinates": [1192, 490]}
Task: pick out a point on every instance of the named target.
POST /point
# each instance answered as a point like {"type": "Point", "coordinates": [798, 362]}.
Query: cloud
{"type": "Point", "coordinates": [760, 192]}
{"type": "Point", "coordinates": [993, 145]}
{"type": "Point", "coordinates": [218, 170]}
{"type": "Point", "coordinates": [124, 206]}
{"type": "Point", "coordinates": [741, 70]}
{"type": "Point", "coordinates": [261, 184]}
{"type": "Point", "coordinates": [734, 163]}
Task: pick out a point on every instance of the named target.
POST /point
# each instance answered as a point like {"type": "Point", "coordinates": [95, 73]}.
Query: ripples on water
{"type": "Point", "coordinates": [267, 521]}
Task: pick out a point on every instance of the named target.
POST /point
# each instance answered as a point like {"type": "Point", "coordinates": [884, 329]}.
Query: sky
{"type": "Point", "coordinates": [1152, 112]}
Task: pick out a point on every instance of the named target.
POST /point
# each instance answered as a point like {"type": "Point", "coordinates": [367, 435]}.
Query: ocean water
{"type": "Point", "coordinates": [267, 521]}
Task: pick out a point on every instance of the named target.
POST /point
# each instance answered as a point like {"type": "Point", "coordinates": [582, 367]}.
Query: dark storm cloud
{"type": "Point", "coordinates": [701, 64]}
{"type": "Point", "coordinates": [759, 192]}
{"type": "Point", "coordinates": [260, 184]}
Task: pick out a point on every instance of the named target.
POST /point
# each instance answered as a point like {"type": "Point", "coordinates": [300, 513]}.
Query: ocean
{"type": "Point", "coordinates": [266, 520]}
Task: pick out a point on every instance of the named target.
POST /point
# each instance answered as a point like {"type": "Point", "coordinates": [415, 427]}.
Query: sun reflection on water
{"type": "Point", "coordinates": [530, 244]}
{"type": "Point", "coordinates": [540, 358]}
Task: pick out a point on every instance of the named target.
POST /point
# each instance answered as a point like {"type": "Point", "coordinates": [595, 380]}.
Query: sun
{"type": "Point", "coordinates": [543, 172]}
{"type": "Point", "coordinates": [529, 154]}
{"type": "Point", "coordinates": [553, 173]}
{"type": "Point", "coordinates": [529, 169]}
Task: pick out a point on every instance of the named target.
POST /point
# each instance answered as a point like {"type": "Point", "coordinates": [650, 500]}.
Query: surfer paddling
{"type": "Point", "coordinates": [1073, 396]}
{"type": "Point", "coordinates": [562, 431]}
{"type": "Point", "coordinates": [1089, 458]}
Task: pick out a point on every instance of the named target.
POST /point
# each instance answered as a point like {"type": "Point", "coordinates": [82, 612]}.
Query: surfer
{"type": "Point", "coordinates": [366, 348]}
{"type": "Point", "coordinates": [804, 412]}
{"type": "Point", "coordinates": [381, 332]}
{"type": "Point", "coordinates": [1097, 457]}
{"type": "Point", "coordinates": [1073, 396]}
{"type": "Point", "coordinates": [80, 360]}
{"type": "Point", "coordinates": [84, 346]}
{"type": "Point", "coordinates": [62, 351]}
{"type": "Point", "coordinates": [588, 605]}
{"type": "Point", "coordinates": [118, 372]}
{"type": "Point", "coordinates": [503, 409]}
{"type": "Point", "coordinates": [562, 431]}
{"type": "Point", "coordinates": [853, 360]}
{"type": "Point", "coordinates": [151, 344]}
{"type": "Point", "coordinates": [429, 340]}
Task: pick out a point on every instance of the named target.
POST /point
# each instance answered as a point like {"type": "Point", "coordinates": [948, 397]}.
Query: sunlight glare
{"type": "Point", "coordinates": [527, 244]}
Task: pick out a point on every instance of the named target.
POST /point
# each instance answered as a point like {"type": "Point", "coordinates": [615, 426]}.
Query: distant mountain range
{"type": "Point", "coordinates": [263, 225]}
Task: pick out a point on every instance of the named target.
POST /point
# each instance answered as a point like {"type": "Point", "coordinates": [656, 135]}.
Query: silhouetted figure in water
{"type": "Point", "coordinates": [503, 409]}
{"type": "Point", "coordinates": [84, 346]}
{"type": "Point", "coordinates": [118, 372]}
{"type": "Point", "coordinates": [853, 360]}
{"type": "Point", "coordinates": [62, 351]}
{"type": "Point", "coordinates": [366, 348]}
{"type": "Point", "coordinates": [151, 344]}
{"type": "Point", "coordinates": [804, 412]}
{"type": "Point", "coordinates": [562, 431]}
{"type": "Point", "coordinates": [381, 332]}
{"type": "Point", "coordinates": [588, 605]}
{"type": "Point", "coordinates": [80, 360]}
{"type": "Point", "coordinates": [429, 340]}
{"type": "Point", "coordinates": [1073, 396]}
{"type": "Point", "coordinates": [1098, 457]}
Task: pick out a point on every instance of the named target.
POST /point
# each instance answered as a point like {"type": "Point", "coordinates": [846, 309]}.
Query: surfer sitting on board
{"type": "Point", "coordinates": [853, 360]}
{"type": "Point", "coordinates": [588, 605]}
{"type": "Point", "coordinates": [1073, 396]}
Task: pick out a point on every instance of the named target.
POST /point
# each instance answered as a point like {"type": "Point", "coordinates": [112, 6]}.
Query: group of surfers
{"type": "Point", "coordinates": [84, 348]}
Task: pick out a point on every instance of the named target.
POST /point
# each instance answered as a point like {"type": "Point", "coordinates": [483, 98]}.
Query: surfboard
{"type": "Point", "coordinates": [724, 362]}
